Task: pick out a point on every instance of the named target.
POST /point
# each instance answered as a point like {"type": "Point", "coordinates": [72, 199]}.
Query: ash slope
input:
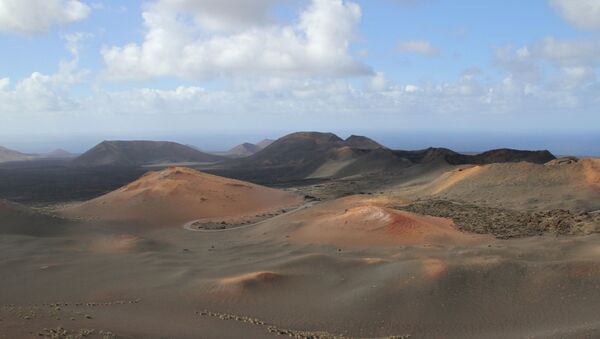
{"type": "Point", "coordinates": [573, 185]}
{"type": "Point", "coordinates": [165, 282]}
{"type": "Point", "coordinates": [16, 219]}
{"type": "Point", "coordinates": [175, 195]}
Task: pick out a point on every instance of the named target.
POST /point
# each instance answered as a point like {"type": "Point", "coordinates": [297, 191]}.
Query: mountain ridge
{"type": "Point", "coordinates": [141, 152]}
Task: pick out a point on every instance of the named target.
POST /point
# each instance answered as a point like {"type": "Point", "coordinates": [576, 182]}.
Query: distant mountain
{"type": "Point", "coordinates": [60, 153]}
{"type": "Point", "coordinates": [7, 155]}
{"type": "Point", "coordinates": [311, 155]}
{"type": "Point", "coordinates": [264, 143]}
{"type": "Point", "coordinates": [295, 149]}
{"type": "Point", "coordinates": [137, 153]}
{"type": "Point", "coordinates": [360, 142]}
{"type": "Point", "coordinates": [243, 150]}
{"type": "Point", "coordinates": [304, 155]}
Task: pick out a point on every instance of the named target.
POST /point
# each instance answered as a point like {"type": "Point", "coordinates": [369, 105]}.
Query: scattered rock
{"type": "Point", "coordinates": [504, 223]}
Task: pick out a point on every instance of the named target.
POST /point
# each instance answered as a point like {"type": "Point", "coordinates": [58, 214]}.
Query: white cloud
{"type": "Point", "coordinates": [280, 103]}
{"type": "Point", "coordinates": [411, 89]}
{"type": "Point", "coordinates": [581, 13]}
{"type": "Point", "coordinates": [552, 73]}
{"type": "Point", "coordinates": [35, 16]}
{"type": "Point", "coordinates": [40, 93]}
{"type": "Point", "coordinates": [37, 94]}
{"type": "Point", "coordinates": [422, 47]}
{"type": "Point", "coordinates": [222, 15]}
{"type": "Point", "coordinates": [4, 83]}
{"type": "Point", "coordinates": [568, 62]}
{"type": "Point", "coordinates": [334, 98]}
{"type": "Point", "coordinates": [519, 62]}
{"type": "Point", "coordinates": [570, 52]}
{"type": "Point", "coordinates": [73, 43]}
{"type": "Point", "coordinates": [317, 45]}
{"type": "Point", "coordinates": [578, 75]}
{"type": "Point", "coordinates": [378, 82]}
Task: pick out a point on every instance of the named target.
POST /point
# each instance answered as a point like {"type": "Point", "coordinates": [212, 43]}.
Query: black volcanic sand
{"type": "Point", "coordinates": [47, 182]}
{"type": "Point", "coordinates": [119, 281]}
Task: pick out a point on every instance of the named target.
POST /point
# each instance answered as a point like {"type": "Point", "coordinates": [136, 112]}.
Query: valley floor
{"type": "Point", "coordinates": [498, 273]}
{"type": "Point", "coordinates": [255, 282]}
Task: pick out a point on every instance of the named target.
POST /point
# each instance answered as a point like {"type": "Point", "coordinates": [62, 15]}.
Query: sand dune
{"type": "Point", "coordinates": [591, 170]}
{"type": "Point", "coordinates": [555, 185]}
{"type": "Point", "coordinates": [364, 222]}
{"type": "Point", "coordinates": [250, 281]}
{"type": "Point", "coordinates": [177, 195]}
{"type": "Point", "coordinates": [121, 243]}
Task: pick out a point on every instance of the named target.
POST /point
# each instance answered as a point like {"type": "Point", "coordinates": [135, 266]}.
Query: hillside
{"type": "Point", "coordinates": [573, 184]}
{"type": "Point", "coordinates": [315, 155]}
{"type": "Point", "coordinates": [361, 221]}
{"type": "Point", "coordinates": [178, 195]}
{"type": "Point", "coordinates": [243, 150]}
{"type": "Point", "coordinates": [360, 142]}
{"type": "Point", "coordinates": [503, 155]}
{"type": "Point", "coordinates": [319, 155]}
{"type": "Point", "coordinates": [7, 155]}
{"type": "Point", "coordinates": [137, 153]}
{"type": "Point", "coordinates": [60, 154]}
{"type": "Point", "coordinates": [264, 143]}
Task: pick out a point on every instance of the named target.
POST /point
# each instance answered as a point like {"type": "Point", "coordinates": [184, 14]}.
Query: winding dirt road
{"type": "Point", "coordinates": [189, 225]}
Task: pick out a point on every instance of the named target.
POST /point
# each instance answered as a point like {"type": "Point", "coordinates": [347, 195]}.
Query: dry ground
{"type": "Point", "coordinates": [356, 267]}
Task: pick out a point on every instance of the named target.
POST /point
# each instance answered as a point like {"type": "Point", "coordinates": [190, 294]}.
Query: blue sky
{"type": "Point", "coordinates": [76, 71]}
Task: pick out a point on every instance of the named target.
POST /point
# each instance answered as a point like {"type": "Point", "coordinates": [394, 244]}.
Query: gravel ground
{"type": "Point", "coordinates": [506, 223]}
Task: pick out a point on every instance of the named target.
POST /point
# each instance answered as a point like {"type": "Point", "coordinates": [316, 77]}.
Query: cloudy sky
{"type": "Point", "coordinates": [176, 68]}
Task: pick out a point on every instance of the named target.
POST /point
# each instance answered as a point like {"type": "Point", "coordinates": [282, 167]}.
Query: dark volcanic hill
{"type": "Point", "coordinates": [315, 155]}
{"type": "Point", "coordinates": [136, 153]}
{"type": "Point", "coordinates": [429, 155]}
{"type": "Point", "coordinates": [60, 153]}
{"type": "Point", "coordinates": [512, 155]}
{"type": "Point", "coordinates": [360, 142]}
{"type": "Point", "coordinates": [295, 149]}
{"type": "Point", "coordinates": [7, 155]}
{"type": "Point", "coordinates": [264, 143]}
{"type": "Point", "coordinates": [493, 156]}
{"type": "Point", "coordinates": [305, 155]}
